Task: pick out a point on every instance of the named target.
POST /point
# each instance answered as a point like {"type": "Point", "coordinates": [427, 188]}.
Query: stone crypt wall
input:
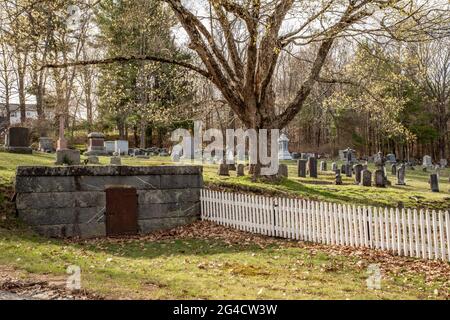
{"type": "Point", "coordinates": [71, 201]}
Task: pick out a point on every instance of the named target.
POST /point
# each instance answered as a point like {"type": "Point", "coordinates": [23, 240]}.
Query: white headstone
{"type": "Point", "coordinates": [283, 148]}
{"type": "Point", "coordinates": [121, 146]}
{"type": "Point", "coordinates": [427, 161]}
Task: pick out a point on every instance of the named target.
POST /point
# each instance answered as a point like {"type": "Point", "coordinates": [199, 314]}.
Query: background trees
{"type": "Point", "coordinates": [369, 74]}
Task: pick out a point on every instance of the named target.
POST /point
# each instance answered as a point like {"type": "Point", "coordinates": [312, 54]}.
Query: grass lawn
{"type": "Point", "coordinates": [204, 261]}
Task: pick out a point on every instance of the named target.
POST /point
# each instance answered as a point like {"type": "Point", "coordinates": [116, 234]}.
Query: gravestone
{"type": "Point", "coordinates": [175, 157]}
{"type": "Point", "coordinates": [283, 148]}
{"type": "Point", "coordinates": [121, 147]}
{"type": "Point", "coordinates": [283, 170]}
{"type": "Point", "coordinates": [434, 183]}
{"type": "Point", "coordinates": [93, 160]}
{"type": "Point", "coordinates": [334, 167]}
{"type": "Point", "coordinates": [378, 159]}
{"type": "Point", "coordinates": [188, 148]}
{"type": "Point", "coordinates": [96, 144]}
{"type": "Point", "coordinates": [68, 157]}
{"type": "Point", "coordinates": [17, 140]}
{"type": "Point", "coordinates": [348, 170]}
{"type": "Point", "coordinates": [443, 163]}
{"type": "Point", "coordinates": [358, 168]}
{"type": "Point", "coordinates": [296, 155]}
{"type": "Point", "coordinates": [427, 161]}
{"type": "Point", "coordinates": [391, 159]}
{"type": "Point", "coordinates": [343, 169]}
{"type": "Point", "coordinates": [301, 166]}
{"type": "Point", "coordinates": [240, 172]}
{"type": "Point", "coordinates": [312, 167]}
{"type": "Point", "coordinates": [323, 166]}
{"type": "Point", "coordinates": [401, 173]}
{"type": "Point", "coordinates": [338, 177]}
{"type": "Point", "coordinates": [45, 144]}
{"type": "Point", "coordinates": [380, 180]}
{"type": "Point", "coordinates": [224, 170]}
{"type": "Point", "coordinates": [347, 155]}
{"type": "Point", "coordinates": [394, 169]}
{"type": "Point", "coordinates": [115, 161]}
{"type": "Point", "coordinates": [110, 147]}
{"type": "Point", "coordinates": [366, 178]}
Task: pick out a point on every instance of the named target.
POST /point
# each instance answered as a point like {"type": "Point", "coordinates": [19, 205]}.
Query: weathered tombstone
{"type": "Point", "coordinates": [380, 180]}
{"type": "Point", "coordinates": [366, 178]}
{"type": "Point", "coordinates": [240, 172]}
{"type": "Point", "coordinates": [358, 168]}
{"type": "Point", "coordinates": [323, 166]}
{"type": "Point", "coordinates": [434, 183]}
{"type": "Point", "coordinates": [283, 170]}
{"type": "Point", "coordinates": [115, 161]}
{"type": "Point", "coordinates": [443, 163]}
{"type": "Point", "coordinates": [45, 144]}
{"type": "Point", "coordinates": [283, 148]}
{"type": "Point", "coordinates": [121, 146]}
{"type": "Point", "coordinates": [301, 166]}
{"type": "Point", "coordinates": [68, 157]}
{"type": "Point", "coordinates": [18, 140]}
{"type": "Point", "coordinates": [93, 160]}
{"type": "Point", "coordinates": [338, 177]}
{"type": "Point", "coordinates": [224, 170]}
{"type": "Point", "coordinates": [378, 159]}
{"type": "Point", "coordinates": [188, 148]}
{"type": "Point", "coordinates": [334, 167]}
{"type": "Point", "coordinates": [110, 147]}
{"type": "Point", "coordinates": [96, 144]}
{"type": "Point", "coordinates": [296, 155]}
{"type": "Point", "coordinates": [175, 157]}
{"type": "Point", "coordinates": [390, 158]}
{"type": "Point", "coordinates": [312, 167]}
{"type": "Point", "coordinates": [401, 173]}
{"type": "Point", "coordinates": [394, 169]}
{"type": "Point", "coordinates": [427, 161]}
{"type": "Point", "coordinates": [348, 170]}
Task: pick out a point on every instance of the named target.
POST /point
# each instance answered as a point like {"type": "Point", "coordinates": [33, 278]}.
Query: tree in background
{"type": "Point", "coordinates": [138, 93]}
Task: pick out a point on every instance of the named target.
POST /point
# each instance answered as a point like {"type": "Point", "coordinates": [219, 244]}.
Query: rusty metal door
{"type": "Point", "coordinates": [121, 211]}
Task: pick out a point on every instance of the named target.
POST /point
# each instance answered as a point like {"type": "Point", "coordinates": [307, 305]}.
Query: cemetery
{"type": "Point", "coordinates": [159, 150]}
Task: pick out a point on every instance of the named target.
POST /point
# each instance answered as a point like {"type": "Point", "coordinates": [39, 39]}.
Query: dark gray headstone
{"type": "Point", "coordinates": [338, 178]}
{"type": "Point", "coordinates": [240, 172]}
{"type": "Point", "coordinates": [283, 170]}
{"type": "Point", "coordinates": [348, 170]}
{"type": "Point", "coordinates": [366, 178]}
{"type": "Point", "coordinates": [224, 170]}
{"type": "Point", "coordinates": [380, 180]}
{"type": "Point", "coordinates": [301, 166]}
{"type": "Point", "coordinates": [401, 173]}
{"type": "Point", "coordinates": [358, 168]}
{"type": "Point", "coordinates": [434, 182]}
{"type": "Point", "coordinates": [18, 140]}
{"type": "Point", "coordinates": [394, 169]}
{"type": "Point", "coordinates": [312, 167]}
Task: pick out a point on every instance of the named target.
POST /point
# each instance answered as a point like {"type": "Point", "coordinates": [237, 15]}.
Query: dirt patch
{"type": "Point", "coordinates": [16, 286]}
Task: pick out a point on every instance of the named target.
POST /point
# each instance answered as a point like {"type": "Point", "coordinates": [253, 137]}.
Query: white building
{"type": "Point", "coordinates": [30, 112]}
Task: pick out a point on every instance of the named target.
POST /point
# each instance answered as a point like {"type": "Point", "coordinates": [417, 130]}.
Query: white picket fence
{"type": "Point", "coordinates": [415, 233]}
